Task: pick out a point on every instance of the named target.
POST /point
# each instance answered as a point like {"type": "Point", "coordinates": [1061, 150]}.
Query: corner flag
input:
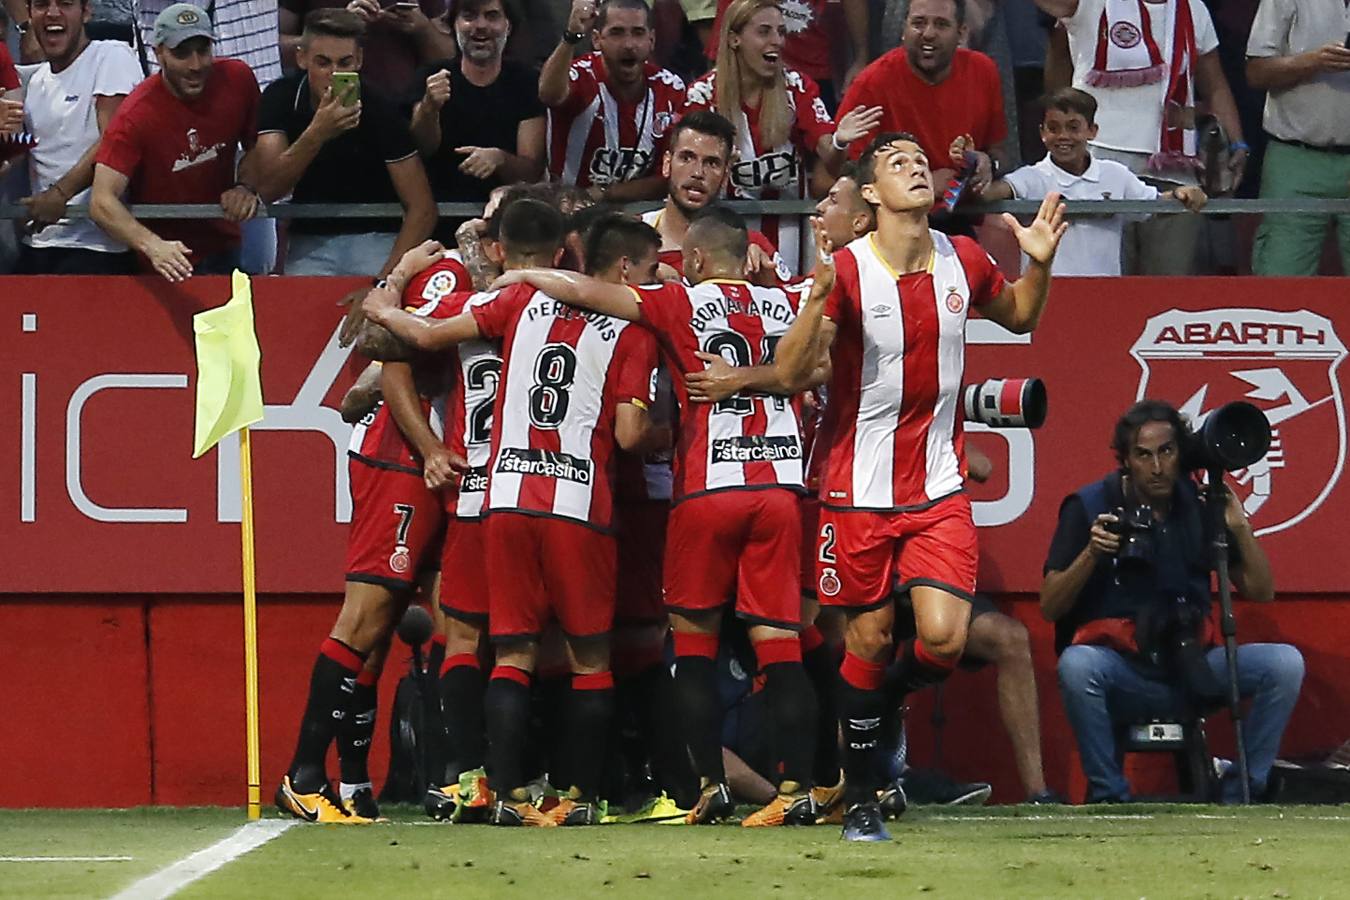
{"type": "Point", "coordinates": [229, 388]}
{"type": "Point", "coordinates": [229, 399]}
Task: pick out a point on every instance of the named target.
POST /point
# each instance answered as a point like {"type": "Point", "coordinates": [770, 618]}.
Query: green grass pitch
{"type": "Point", "coordinates": [1133, 851]}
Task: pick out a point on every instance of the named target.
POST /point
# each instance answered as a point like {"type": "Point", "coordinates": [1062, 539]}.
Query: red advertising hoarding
{"type": "Point", "coordinates": [99, 493]}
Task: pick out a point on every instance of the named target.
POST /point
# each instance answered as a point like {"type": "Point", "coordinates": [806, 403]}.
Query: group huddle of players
{"type": "Point", "coordinates": [596, 458]}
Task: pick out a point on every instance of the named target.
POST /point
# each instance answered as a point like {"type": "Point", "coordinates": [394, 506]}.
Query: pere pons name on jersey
{"type": "Point", "coordinates": [722, 306]}
{"type": "Point", "coordinates": [558, 310]}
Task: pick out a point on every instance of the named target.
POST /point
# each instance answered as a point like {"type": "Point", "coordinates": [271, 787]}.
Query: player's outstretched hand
{"type": "Point", "coordinates": [442, 468]}
{"type": "Point", "coordinates": [718, 380]}
{"type": "Point", "coordinates": [1041, 238]}
{"type": "Point", "coordinates": [822, 277]}
{"type": "Point", "coordinates": [417, 260]}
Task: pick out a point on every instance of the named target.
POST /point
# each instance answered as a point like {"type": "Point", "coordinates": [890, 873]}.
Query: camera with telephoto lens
{"type": "Point", "coordinates": [1170, 634]}
{"type": "Point", "coordinates": [1134, 526]}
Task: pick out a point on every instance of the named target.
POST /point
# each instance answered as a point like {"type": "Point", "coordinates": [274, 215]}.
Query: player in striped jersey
{"type": "Point", "coordinates": [573, 385]}
{"type": "Point", "coordinates": [735, 524]}
{"type": "Point", "coordinates": [610, 111]}
{"type": "Point", "coordinates": [397, 526]}
{"type": "Point", "coordinates": [892, 488]}
{"type": "Point", "coordinates": [696, 168]}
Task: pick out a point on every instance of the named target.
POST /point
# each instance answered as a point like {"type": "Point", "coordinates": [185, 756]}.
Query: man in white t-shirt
{"type": "Point", "coordinates": [1146, 62]}
{"type": "Point", "coordinates": [1091, 246]}
{"type": "Point", "coordinates": [70, 100]}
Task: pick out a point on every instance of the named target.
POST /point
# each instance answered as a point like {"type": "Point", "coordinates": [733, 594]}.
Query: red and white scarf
{"type": "Point", "coordinates": [1127, 56]}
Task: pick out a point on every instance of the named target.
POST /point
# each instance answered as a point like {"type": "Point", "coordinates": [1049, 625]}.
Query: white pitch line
{"type": "Point", "coordinates": [172, 879]}
{"type": "Point", "coordinates": [38, 859]}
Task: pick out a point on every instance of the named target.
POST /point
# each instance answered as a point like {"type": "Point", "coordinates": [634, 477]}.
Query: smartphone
{"type": "Point", "coordinates": [347, 87]}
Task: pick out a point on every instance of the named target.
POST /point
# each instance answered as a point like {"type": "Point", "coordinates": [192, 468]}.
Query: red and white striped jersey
{"type": "Point", "coordinates": [674, 256]}
{"type": "Point", "coordinates": [595, 138]}
{"type": "Point", "coordinates": [745, 441]}
{"type": "Point", "coordinates": [893, 416]}
{"type": "Point", "coordinates": [565, 372]}
{"type": "Point", "coordinates": [770, 173]}
{"type": "Point", "coordinates": [376, 439]}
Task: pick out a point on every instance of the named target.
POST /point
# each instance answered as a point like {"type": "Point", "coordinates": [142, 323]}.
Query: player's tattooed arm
{"type": "Point", "coordinates": [381, 307]}
{"type": "Point", "coordinates": [440, 466]}
{"type": "Point", "coordinates": [361, 397]}
{"type": "Point", "coordinates": [604, 297]}
{"type": "Point", "coordinates": [482, 270]}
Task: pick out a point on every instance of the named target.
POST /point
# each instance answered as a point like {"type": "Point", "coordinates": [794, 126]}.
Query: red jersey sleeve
{"type": "Point", "coordinates": [982, 273]}
{"type": "Point", "coordinates": [664, 306]}
{"type": "Point", "coordinates": [120, 148]}
{"type": "Point", "coordinates": [582, 86]}
{"type": "Point", "coordinates": [496, 315]}
{"type": "Point", "coordinates": [637, 357]}
{"type": "Point", "coordinates": [438, 280]}
{"type": "Point", "coordinates": [813, 119]}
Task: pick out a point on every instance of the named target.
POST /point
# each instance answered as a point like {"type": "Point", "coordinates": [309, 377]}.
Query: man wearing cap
{"type": "Point", "coordinates": [174, 140]}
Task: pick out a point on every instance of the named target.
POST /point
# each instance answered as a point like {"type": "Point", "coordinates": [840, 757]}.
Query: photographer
{"type": "Point", "coordinates": [1127, 584]}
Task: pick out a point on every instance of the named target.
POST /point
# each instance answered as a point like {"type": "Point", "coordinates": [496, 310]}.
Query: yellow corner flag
{"type": "Point", "coordinates": [229, 388]}
{"type": "Point", "coordinates": [229, 399]}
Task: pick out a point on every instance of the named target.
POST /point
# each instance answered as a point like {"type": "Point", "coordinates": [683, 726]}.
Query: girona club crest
{"type": "Point", "coordinates": [1282, 362]}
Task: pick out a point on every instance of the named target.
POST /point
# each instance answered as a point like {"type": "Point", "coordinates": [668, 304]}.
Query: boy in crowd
{"type": "Point", "coordinates": [1091, 246]}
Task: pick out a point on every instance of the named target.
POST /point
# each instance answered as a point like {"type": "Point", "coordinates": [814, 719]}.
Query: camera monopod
{"type": "Point", "coordinates": [1234, 436]}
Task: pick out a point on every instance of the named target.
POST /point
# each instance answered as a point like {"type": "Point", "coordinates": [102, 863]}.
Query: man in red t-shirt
{"type": "Point", "coordinates": [174, 140]}
{"type": "Point", "coordinates": [936, 91]}
{"type": "Point", "coordinates": [610, 111]}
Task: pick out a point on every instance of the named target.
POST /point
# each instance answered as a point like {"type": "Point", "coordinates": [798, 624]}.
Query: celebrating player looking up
{"type": "Point", "coordinates": [738, 466]}
{"type": "Point", "coordinates": [696, 168]}
{"type": "Point", "coordinates": [780, 120]}
{"type": "Point", "coordinates": [572, 386]}
{"type": "Point", "coordinates": [892, 488]}
{"type": "Point", "coordinates": [610, 111]}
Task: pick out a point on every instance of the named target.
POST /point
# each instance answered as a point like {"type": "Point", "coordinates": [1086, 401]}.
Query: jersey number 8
{"type": "Point", "coordinates": [554, 371]}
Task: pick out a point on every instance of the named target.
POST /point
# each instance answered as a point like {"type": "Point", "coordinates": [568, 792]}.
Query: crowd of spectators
{"type": "Point", "coordinates": [456, 98]}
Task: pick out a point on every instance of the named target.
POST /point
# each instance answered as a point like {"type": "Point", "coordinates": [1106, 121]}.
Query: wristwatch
{"type": "Point", "coordinates": [573, 37]}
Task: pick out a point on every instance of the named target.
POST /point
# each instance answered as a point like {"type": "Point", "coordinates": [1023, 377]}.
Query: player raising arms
{"type": "Point", "coordinates": [892, 488]}
{"type": "Point", "coordinates": [735, 527]}
{"type": "Point", "coordinates": [573, 385]}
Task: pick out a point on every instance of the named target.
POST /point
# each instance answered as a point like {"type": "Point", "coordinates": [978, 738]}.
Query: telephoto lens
{"type": "Point", "coordinates": [1006, 402]}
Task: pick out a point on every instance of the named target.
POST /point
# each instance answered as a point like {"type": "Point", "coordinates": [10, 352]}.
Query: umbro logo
{"type": "Point", "coordinates": [881, 311]}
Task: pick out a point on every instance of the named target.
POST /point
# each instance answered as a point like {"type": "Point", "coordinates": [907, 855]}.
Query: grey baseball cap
{"type": "Point", "coordinates": [181, 21]}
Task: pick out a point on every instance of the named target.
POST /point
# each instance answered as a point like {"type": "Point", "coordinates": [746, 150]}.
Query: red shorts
{"type": "Point", "coordinates": [397, 526]}
{"type": "Point", "coordinates": [464, 586]}
{"type": "Point", "coordinates": [640, 529]}
{"type": "Point", "coordinates": [545, 569]}
{"type": "Point", "coordinates": [742, 544]}
{"type": "Point", "coordinates": [810, 532]}
{"type": "Point", "coordinates": [862, 555]}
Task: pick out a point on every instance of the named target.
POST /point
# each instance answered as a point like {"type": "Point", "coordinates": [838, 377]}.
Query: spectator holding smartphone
{"type": "Point", "coordinates": [174, 140]}
{"type": "Point", "coordinates": [400, 36]}
{"type": "Point", "coordinates": [1297, 53]}
{"type": "Point", "coordinates": [326, 136]}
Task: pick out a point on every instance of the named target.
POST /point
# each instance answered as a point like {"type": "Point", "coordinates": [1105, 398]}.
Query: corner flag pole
{"type": "Point", "coordinates": [250, 629]}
